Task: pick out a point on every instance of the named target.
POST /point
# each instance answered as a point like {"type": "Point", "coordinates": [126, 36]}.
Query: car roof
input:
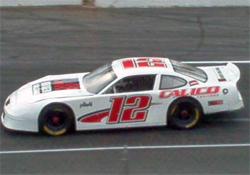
{"type": "Point", "coordinates": [141, 65]}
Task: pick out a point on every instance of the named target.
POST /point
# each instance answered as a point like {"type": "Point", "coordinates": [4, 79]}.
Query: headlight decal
{"type": "Point", "coordinates": [55, 85]}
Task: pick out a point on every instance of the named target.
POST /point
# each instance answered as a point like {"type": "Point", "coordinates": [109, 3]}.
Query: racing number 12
{"type": "Point", "coordinates": [129, 109]}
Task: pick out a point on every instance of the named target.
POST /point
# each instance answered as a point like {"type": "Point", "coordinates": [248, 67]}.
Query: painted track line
{"type": "Point", "coordinates": [124, 147]}
{"type": "Point", "coordinates": [235, 120]}
{"type": "Point", "coordinates": [246, 120]}
{"type": "Point", "coordinates": [216, 62]}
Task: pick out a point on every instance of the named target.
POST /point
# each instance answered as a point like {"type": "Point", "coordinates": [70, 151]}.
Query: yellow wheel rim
{"type": "Point", "coordinates": [196, 118]}
{"type": "Point", "coordinates": [54, 133]}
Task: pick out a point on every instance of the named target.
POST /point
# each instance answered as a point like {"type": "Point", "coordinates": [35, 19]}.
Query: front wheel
{"type": "Point", "coordinates": [185, 114]}
{"type": "Point", "coordinates": [56, 120]}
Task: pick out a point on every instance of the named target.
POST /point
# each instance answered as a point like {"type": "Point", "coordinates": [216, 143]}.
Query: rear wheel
{"type": "Point", "coordinates": [56, 120]}
{"type": "Point", "coordinates": [185, 114]}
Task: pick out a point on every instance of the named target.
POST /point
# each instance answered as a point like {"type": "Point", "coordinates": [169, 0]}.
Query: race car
{"type": "Point", "coordinates": [129, 92]}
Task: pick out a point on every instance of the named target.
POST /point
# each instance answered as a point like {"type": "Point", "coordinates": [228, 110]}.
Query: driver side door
{"type": "Point", "coordinates": [130, 102]}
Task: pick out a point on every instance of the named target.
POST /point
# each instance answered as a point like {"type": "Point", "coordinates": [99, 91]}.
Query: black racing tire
{"type": "Point", "coordinates": [185, 114]}
{"type": "Point", "coordinates": [56, 120]}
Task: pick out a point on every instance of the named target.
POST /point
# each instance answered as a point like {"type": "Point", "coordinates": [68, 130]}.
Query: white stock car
{"type": "Point", "coordinates": [130, 92]}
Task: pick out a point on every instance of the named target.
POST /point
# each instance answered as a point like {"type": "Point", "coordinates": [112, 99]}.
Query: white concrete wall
{"type": "Point", "coordinates": [39, 2]}
{"type": "Point", "coordinates": [130, 3]}
{"type": "Point", "coordinates": [170, 3]}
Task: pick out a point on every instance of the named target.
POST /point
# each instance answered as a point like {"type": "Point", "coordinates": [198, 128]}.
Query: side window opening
{"type": "Point", "coordinates": [171, 82]}
{"type": "Point", "coordinates": [133, 84]}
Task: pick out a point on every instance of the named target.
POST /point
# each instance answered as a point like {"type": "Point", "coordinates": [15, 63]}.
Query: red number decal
{"type": "Point", "coordinates": [116, 109]}
{"type": "Point", "coordinates": [152, 62]}
{"type": "Point", "coordinates": [128, 63]}
{"type": "Point", "coordinates": [143, 62]}
{"type": "Point", "coordinates": [133, 110]}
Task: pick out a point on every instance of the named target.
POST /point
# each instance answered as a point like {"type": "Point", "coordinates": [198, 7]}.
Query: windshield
{"type": "Point", "coordinates": [189, 71]}
{"type": "Point", "coordinates": [99, 79]}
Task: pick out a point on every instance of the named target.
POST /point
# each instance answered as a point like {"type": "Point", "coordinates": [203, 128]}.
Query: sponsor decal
{"type": "Point", "coordinates": [201, 92]}
{"type": "Point", "coordinates": [143, 62]}
{"type": "Point", "coordinates": [65, 84]}
{"type": "Point", "coordinates": [86, 104]}
{"type": "Point", "coordinates": [193, 83]}
{"type": "Point", "coordinates": [55, 85]}
{"type": "Point", "coordinates": [123, 109]}
{"type": "Point", "coordinates": [215, 102]}
{"type": "Point", "coordinates": [221, 76]}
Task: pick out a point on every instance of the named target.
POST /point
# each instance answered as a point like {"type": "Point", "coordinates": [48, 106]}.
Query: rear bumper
{"type": "Point", "coordinates": [236, 102]}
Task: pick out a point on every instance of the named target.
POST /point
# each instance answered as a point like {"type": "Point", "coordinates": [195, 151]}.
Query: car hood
{"type": "Point", "coordinates": [53, 86]}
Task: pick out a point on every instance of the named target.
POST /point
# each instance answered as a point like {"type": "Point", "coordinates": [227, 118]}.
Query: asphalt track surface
{"type": "Point", "coordinates": [55, 40]}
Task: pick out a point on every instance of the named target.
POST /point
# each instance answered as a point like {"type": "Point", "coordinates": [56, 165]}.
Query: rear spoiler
{"type": "Point", "coordinates": [234, 72]}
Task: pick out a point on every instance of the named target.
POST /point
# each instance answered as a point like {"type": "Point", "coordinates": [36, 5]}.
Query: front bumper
{"type": "Point", "coordinates": [14, 123]}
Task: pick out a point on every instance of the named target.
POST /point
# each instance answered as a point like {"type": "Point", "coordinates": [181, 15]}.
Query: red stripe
{"type": "Point", "coordinates": [95, 118]}
{"type": "Point", "coordinates": [153, 104]}
{"type": "Point", "coordinates": [222, 79]}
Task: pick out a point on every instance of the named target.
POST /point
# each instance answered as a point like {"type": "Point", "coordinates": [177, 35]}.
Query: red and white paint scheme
{"type": "Point", "coordinates": [130, 92]}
